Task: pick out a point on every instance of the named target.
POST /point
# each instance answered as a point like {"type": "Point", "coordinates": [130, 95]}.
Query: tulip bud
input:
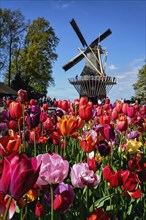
{"type": "Point", "coordinates": [39, 209]}
{"type": "Point", "coordinates": [22, 95]}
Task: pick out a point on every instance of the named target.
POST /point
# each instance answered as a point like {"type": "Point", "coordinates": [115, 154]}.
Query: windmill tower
{"type": "Point", "coordinates": [93, 81]}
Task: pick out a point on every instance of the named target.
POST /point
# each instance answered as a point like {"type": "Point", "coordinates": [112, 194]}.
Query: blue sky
{"type": "Point", "coordinates": [126, 45]}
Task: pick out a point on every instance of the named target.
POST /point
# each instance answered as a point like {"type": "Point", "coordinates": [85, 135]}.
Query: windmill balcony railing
{"type": "Point", "coordinates": [106, 79]}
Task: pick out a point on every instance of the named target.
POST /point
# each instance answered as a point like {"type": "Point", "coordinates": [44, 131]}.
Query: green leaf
{"type": "Point", "coordinates": [100, 202]}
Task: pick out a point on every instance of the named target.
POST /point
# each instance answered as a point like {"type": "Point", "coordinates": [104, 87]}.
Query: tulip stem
{"type": "Point", "coordinates": [52, 200]}
{"type": "Point", "coordinates": [7, 209]}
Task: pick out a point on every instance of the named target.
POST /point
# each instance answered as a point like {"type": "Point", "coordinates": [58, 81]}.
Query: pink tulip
{"type": "Point", "coordinates": [76, 171]}
{"type": "Point", "coordinates": [19, 174]}
{"type": "Point", "coordinates": [89, 178]}
{"type": "Point", "coordinates": [54, 169]}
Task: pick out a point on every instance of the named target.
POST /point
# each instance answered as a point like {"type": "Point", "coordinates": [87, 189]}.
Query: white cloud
{"type": "Point", "coordinates": [112, 67]}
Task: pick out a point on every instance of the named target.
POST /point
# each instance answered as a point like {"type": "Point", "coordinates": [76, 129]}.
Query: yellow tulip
{"type": "Point", "coordinates": [132, 146]}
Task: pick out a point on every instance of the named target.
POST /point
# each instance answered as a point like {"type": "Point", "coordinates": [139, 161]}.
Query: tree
{"type": "Point", "coordinates": [12, 28]}
{"type": "Point", "coordinates": [33, 64]}
{"type": "Point", "coordinates": [140, 85]}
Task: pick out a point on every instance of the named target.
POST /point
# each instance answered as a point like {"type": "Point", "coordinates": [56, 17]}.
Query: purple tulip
{"type": "Point", "coordinates": [19, 175]}
{"type": "Point", "coordinates": [132, 135]}
{"type": "Point", "coordinates": [108, 132]}
{"type": "Point", "coordinates": [103, 148]}
{"type": "Point", "coordinates": [63, 197]}
{"type": "Point", "coordinates": [33, 116]}
{"type": "Point", "coordinates": [54, 169]}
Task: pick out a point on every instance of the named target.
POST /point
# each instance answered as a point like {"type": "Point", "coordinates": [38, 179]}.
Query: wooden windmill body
{"type": "Point", "coordinates": [92, 82]}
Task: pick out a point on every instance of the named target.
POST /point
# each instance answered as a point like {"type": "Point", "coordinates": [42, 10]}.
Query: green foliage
{"type": "Point", "coordinates": [30, 52]}
{"type": "Point", "coordinates": [140, 85]}
{"type": "Point", "coordinates": [12, 29]}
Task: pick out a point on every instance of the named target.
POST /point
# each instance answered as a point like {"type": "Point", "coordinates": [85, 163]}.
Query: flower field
{"type": "Point", "coordinates": [79, 162]}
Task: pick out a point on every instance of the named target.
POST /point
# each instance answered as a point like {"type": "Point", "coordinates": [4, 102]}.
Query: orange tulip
{"type": "Point", "coordinates": [67, 125]}
{"type": "Point", "coordinates": [15, 109]}
{"type": "Point", "coordinates": [10, 144]}
{"type": "Point", "coordinates": [88, 141]}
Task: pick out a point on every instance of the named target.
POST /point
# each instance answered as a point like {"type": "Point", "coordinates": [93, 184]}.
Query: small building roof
{"type": "Point", "coordinates": [6, 90]}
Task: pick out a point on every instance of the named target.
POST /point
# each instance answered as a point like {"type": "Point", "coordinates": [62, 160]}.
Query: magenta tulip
{"type": "Point", "coordinates": [19, 175]}
{"type": "Point", "coordinates": [54, 169]}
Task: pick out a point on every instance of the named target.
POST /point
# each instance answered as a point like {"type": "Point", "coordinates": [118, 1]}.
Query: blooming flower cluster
{"type": "Point", "coordinates": [81, 161]}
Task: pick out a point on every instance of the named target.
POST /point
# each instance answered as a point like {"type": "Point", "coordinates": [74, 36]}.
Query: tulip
{"type": "Point", "coordinates": [22, 95]}
{"type": "Point", "coordinates": [98, 214]}
{"type": "Point", "coordinates": [132, 146]}
{"type": "Point", "coordinates": [104, 118]}
{"type": "Point", "coordinates": [64, 196]}
{"type": "Point", "coordinates": [76, 171]}
{"type": "Point", "coordinates": [45, 106]}
{"type": "Point", "coordinates": [103, 148]}
{"type": "Point", "coordinates": [39, 209]}
{"type": "Point", "coordinates": [55, 136]}
{"type": "Point", "coordinates": [114, 178]}
{"type": "Point", "coordinates": [43, 116]}
{"type": "Point", "coordinates": [67, 125]}
{"type": "Point", "coordinates": [32, 102]}
{"type": "Point", "coordinates": [122, 123]}
{"type": "Point", "coordinates": [92, 164]}
{"type": "Point", "coordinates": [114, 114]}
{"type": "Point", "coordinates": [10, 144]}
{"type": "Point", "coordinates": [54, 169]}
{"type": "Point", "coordinates": [3, 129]}
{"type": "Point", "coordinates": [88, 141]}
{"type": "Point", "coordinates": [135, 165]}
{"type": "Point", "coordinates": [15, 110]}
{"type": "Point", "coordinates": [65, 105]}
{"type": "Point", "coordinates": [85, 111]}
{"type": "Point", "coordinates": [132, 135]}
{"type": "Point", "coordinates": [19, 175]}
{"type": "Point", "coordinates": [33, 116]}
{"type": "Point", "coordinates": [4, 200]}
{"type": "Point", "coordinates": [124, 108]}
{"type": "Point", "coordinates": [129, 180]}
{"type": "Point", "coordinates": [89, 178]}
{"type": "Point", "coordinates": [13, 125]}
{"type": "Point", "coordinates": [131, 111]}
{"type": "Point", "coordinates": [108, 132]}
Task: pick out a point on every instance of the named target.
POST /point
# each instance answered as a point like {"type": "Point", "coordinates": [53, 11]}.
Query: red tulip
{"type": "Point", "coordinates": [114, 114]}
{"type": "Point", "coordinates": [32, 102]}
{"type": "Point", "coordinates": [15, 109]}
{"type": "Point", "coordinates": [124, 108]}
{"type": "Point", "coordinates": [39, 209]}
{"type": "Point", "coordinates": [92, 164]}
{"type": "Point", "coordinates": [85, 111]}
{"type": "Point", "coordinates": [104, 118]}
{"type": "Point", "coordinates": [122, 123]}
{"type": "Point", "coordinates": [9, 144]}
{"type": "Point", "coordinates": [65, 105]}
{"type": "Point", "coordinates": [13, 125]}
{"type": "Point", "coordinates": [19, 175]}
{"type": "Point", "coordinates": [129, 180]}
{"type": "Point", "coordinates": [22, 95]}
{"type": "Point", "coordinates": [131, 111]}
{"type": "Point", "coordinates": [114, 178]}
{"type": "Point", "coordinates": [45, 106]}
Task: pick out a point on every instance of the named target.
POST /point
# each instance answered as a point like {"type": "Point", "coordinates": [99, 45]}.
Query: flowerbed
{"type": "Point", "coordinates": [81, 161]}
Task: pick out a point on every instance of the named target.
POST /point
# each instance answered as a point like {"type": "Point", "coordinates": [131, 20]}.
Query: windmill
{"type": "Point", "coordinates": [92, 82]}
